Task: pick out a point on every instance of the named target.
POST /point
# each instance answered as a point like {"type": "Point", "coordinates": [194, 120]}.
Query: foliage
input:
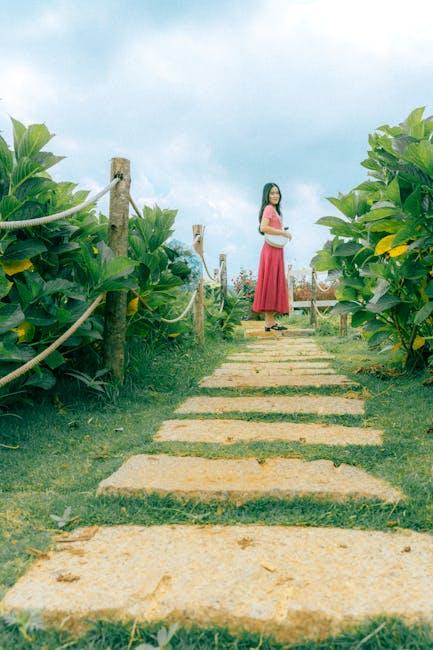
{"type": "Point", "coordinates": [302, 290]}
{"type": "Point", "coordinates": [50, 273]}
{"type": "Point", "coordinates": [382, 249]}
{"type": "Point", "coordinates": [245, 283]}
{"type": "Point", "coordinates": [224, 313]}
{"type": "Point", "coordinates": [244, 286]}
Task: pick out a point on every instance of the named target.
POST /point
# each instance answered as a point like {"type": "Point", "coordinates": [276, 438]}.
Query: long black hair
{"type": "Point", "coordinates": [265, 201]}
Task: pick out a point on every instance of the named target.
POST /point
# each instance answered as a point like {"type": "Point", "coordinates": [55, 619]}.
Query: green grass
{"type": "Point", "coordinates": [57, 453]}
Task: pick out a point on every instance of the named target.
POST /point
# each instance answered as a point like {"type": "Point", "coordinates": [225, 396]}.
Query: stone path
{"type": "Point", "coordinates": [288, 404]}
{"type": "Point", "coordinates": [227, 432]}
{"type": "Point", "coordinates": [294, 582]}
{"type": "Point", "coordinates": [289, 581]}
{"type": "Point", "coordinates": [243, 479]}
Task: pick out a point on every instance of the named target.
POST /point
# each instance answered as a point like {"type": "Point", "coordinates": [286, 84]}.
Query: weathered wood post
{"type": "Point", "coordinates": [313, 315]}
{"type": "Point", "coordinates": [115, 304]}
{"type": "Point", "coordinates": [290, 289]}
{"type": "Point", "coordinates": [223, 278]}
{"type": "Point", "coordinates": [343, 324]}
{"type": "Point", "coordinates": [199, 298]}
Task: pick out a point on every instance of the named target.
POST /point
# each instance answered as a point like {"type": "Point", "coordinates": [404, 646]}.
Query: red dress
{"type": "Point", "coordinates": [271, 289]}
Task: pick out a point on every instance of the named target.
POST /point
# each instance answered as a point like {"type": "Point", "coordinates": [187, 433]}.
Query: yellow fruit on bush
{"type": "Point", "coordinates": [398, 250]}
{"type": "Point", "coordinates": [25, 331]}
{"type": "Point", "coordinates": [384, 244]}
{"type": "Point", "coordinates": [418, 342]}
{"type": "Point", "coordinates": [16, 266]}
{"type": "Point", "coordinates": [132, 307]}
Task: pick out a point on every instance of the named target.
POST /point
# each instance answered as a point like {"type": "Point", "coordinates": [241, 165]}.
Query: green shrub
{"type": "Point", "coordinates": [49, 274]}
{"type": "Point", "coordinates": [382, 249]}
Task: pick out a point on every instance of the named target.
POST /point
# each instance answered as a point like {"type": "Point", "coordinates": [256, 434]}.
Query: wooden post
{"type": "Point", "coordinates": [199, 298]}
{"type": "Point", "coordinates": [115, 304]}
{"type": "Point", "coordinates": [313, 315]}
{"type": "Point", "coordinates": [290, 289]}
{"type": "Point", "coordinates": [223, 280]}
{"type": "Point", "coordinates": [343, 324]}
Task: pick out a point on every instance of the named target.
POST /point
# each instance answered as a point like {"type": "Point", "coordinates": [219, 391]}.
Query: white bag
{"type": "Point", "coordinates": [277, 241]}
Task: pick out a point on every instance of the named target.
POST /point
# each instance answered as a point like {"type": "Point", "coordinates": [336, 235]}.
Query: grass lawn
{"type": "Point", "coordinates": [54, 456]}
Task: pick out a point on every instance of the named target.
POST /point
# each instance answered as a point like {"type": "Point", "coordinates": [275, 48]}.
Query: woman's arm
{"type": "Point", "coordinates": [266, 228]}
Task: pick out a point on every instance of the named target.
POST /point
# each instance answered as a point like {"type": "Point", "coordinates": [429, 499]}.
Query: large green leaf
{"type": "Point", "coordinates": [24, 170]}
{"type": "Point", "coordinates": [11, 315]}
{"type": "Point", "coordinates": [324, 261]}
{"type": "Point", "coordinates": [117, 267]}
{"type": "Point", "coordinates": [15, 353]}
{"type": "Point", "coordinates": [346, 307]}
{"type": "Point", "coordinates": [28, 210]}
{"type": "Point", "coordinates": [360, 317]}
{"type": "Point", "coordinates": [420, 154]}
{"type": "Point", "coordinates": [35, 137]}
{"type": "Point", "coordinates": [425, 311]}
{"type": "Point", "coordinates": [379, 337]}
{"type": "Point", "coordinates": [8, 205]}
{"type": "Point", "coordinates": [414, 124]}
{"type": "Point", "coordinates": [347, 248]}
{"type": "Point", "coordinates": [18, 130]}
{"type": "Point", "coordinates": [42, 378]}
{"type": "Point", "coordinates": [24, 249]}
{"type": "Point", "coordinates": [36, 187]}
{"type": "Point", "coordinates": [46, 159]}
{"type": "Point", "coordinates": [6, 157]}
{"type": "Point", "coordinates": [392, 192]}
{"type": "Point", "coordinates": [352, 204]}
{"type": "Point", "coordinates": [5, 285]}
{"type": "Point", "coordinates": [389, 226]}
{"type": "Point", "coordinates": [384, 303]}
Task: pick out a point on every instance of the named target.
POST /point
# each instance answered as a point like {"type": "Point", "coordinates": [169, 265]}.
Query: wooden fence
{"type": "Point", "coordinates": [313, 305]}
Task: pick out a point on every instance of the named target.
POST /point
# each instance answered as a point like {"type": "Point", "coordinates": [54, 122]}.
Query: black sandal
{"type": "Point", "coordinates": [277, 328]}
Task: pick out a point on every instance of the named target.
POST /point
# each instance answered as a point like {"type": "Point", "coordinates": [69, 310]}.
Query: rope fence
{"type": "Point", "coordinates": [41, 221]}
{"type": "Point", "coordinates": [51, 348]}
{"type": "Point", "coordinates": [313, 303]}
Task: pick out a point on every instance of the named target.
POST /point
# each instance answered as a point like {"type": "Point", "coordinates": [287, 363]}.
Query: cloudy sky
{"type": "Point", "coordinates": [210, 99]}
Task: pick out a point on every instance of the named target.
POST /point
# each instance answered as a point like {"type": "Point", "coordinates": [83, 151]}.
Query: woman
{"type": "Point", "coordinates": [271, 294]}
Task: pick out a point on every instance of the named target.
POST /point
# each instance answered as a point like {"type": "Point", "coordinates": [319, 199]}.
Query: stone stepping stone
{"type": "Point", "coordinates": [286, 348]}
{"type": "Point", "coordinates": [293, 582]}
{"type": "Point", "coordinates": [269, 371]}
{"type": "Point", "coordinates": [261, 381]}
{"type": "Point", "coordinates": [243, 479]}
{"type": "Point", "coordinates": [284, 365]}
{"type": "Point", "coordinates": [228, 432]}
{"type": "Point", "coordinates": [292, 341]}
{"type": "Point", "coordinates": [283, 348]}
{"type": "Point", "coordinates": [285, 334]}
{"type": "Point", "coordinates": [258, 357]}
{"type": "Point", "coordinates": [292, 331]}
{"type": "Point", "coordinates": [317, 404]}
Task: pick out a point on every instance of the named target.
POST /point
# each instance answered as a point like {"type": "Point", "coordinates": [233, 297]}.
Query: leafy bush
{"type": "Point", "coordinates": [223, 313]}
{"type": "Point", "coordinates": [49, 274]}
{"type": "Point", "coordinates": [382, 249]}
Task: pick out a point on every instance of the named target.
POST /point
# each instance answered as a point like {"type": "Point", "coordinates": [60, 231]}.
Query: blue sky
{"type": "Point", "coordinates": [211, 99]}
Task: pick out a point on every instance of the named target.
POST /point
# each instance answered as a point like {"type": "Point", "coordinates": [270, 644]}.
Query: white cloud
{"type": "Point", "coordinates": [204, 112]}
{"type": "Point", "coordinates": [306, 205]}
{"type": "Point", "coordinates": [28, 93]}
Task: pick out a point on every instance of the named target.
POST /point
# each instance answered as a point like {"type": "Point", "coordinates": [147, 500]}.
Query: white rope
{"type": "Point", "coordinates": [211, 277]}
{"type": "Point", "coordinates": [320, 286]}
{"type": "Point", "coordinates": [184, 313]}
{"type": "Point", "coordinates": [323, 316]}
{"type": "Point", "coordinates": [134, 205]}
{"type": "Point", "coordinates": [57, 343]}
{"type": "Point", "coordinates": [12, 225]}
